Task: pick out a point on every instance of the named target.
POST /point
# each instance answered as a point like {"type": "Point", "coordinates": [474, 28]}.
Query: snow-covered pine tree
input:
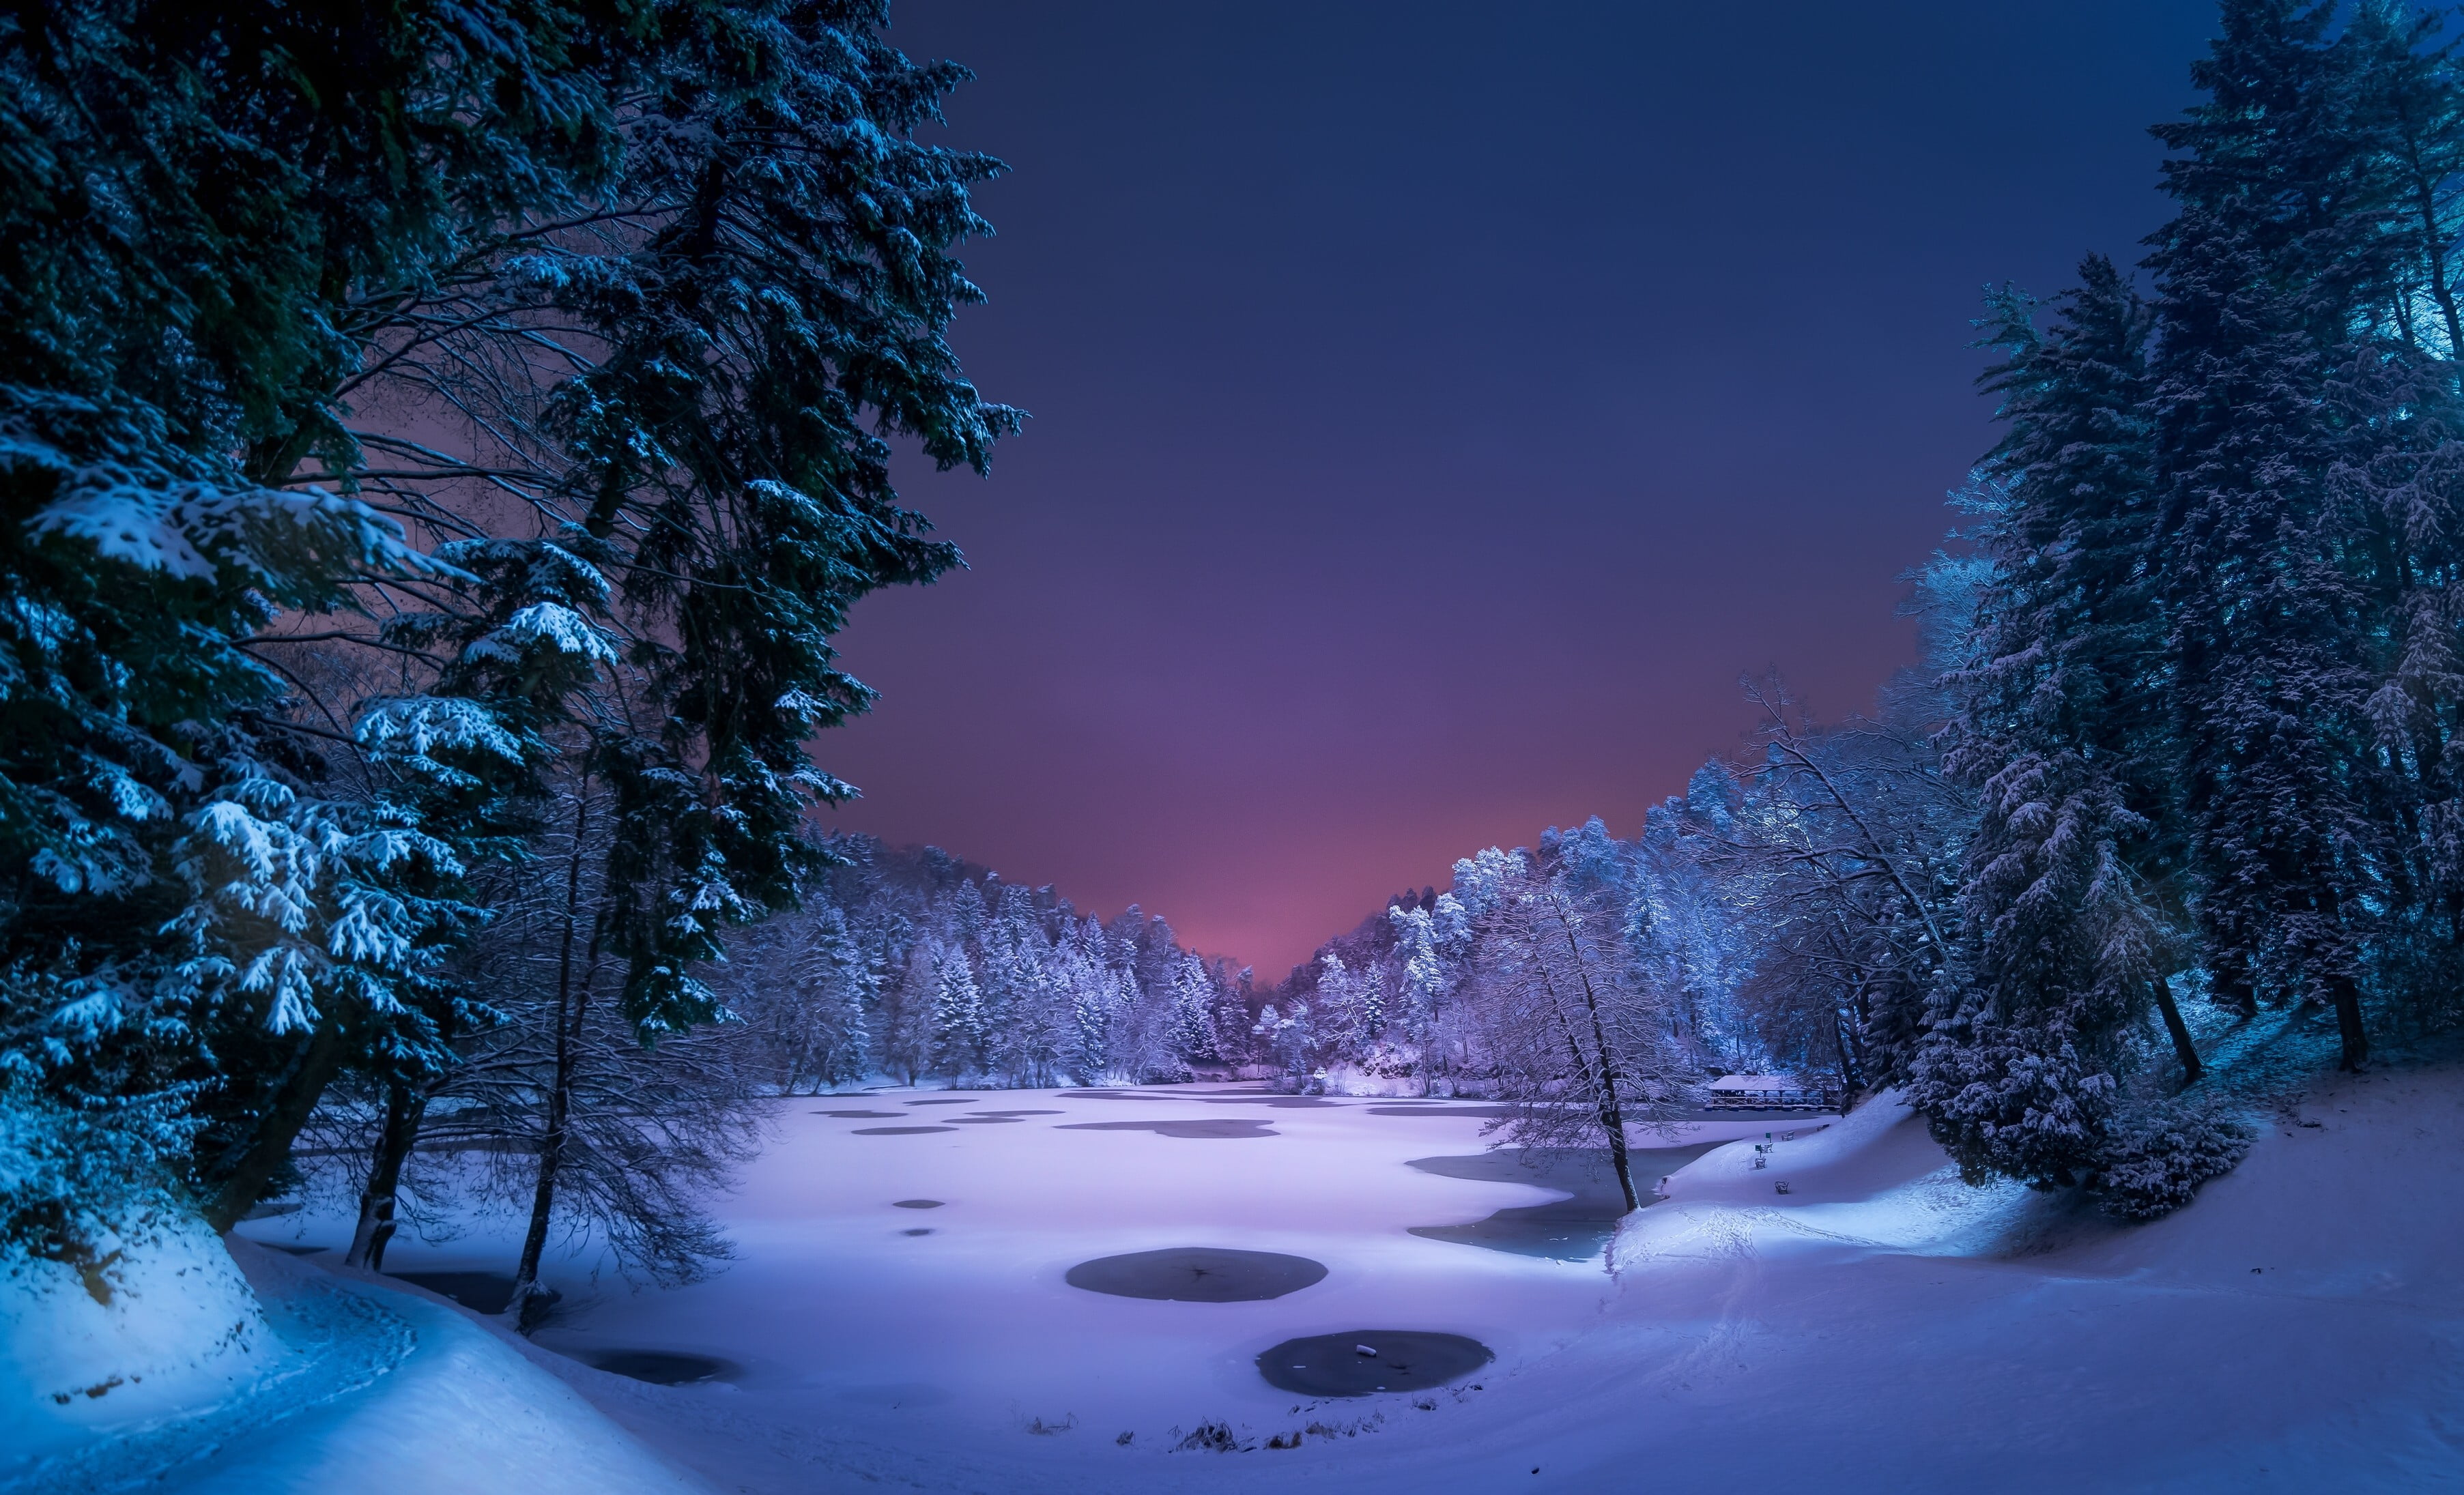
{"type": "Point", "coordinates": [959, 1021]}
{"type": "Point", "coordinates": [1088, 988]}
{"type": "Point", "coordinates": [2400, 484]}
{"type": "Point", "coordinates": [2269, 276]}
{"type": "Point", "coordinates": [1426, 980]}
{"type": "Point", "coordinates": [2064, 735]}
{"type": "Point", "coordinates": [1231, 1014]}
{"type": "Point", "coordinates": [1193, 995]}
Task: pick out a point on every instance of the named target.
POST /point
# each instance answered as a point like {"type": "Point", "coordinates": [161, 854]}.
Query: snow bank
{"type": "Point", "coordinates": [250, 1373]}
{"type": "Point", "coordinates": [1871, 1179]}
{"type": "Point", "coordinates": [167, 1324]}
{"type": "Point", "coordinates": [463, 1411]}
{"type": "Point", "coordinates": [1872, 1148]}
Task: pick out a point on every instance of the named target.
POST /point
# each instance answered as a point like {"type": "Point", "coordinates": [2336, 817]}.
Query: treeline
{"type": "Point", "coordinates": [2184, 747]}
{"type": "Point", "coordinates": [438, 443]}
{"type": "Point", "coordinates": [910, 965]}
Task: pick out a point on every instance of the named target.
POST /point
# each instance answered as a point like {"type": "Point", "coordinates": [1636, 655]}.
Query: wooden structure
{"type": "Point", "coordinates": [1770, 1092]}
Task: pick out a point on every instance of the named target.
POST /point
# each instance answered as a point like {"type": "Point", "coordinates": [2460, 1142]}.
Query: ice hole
{"type": "Point", "coordinates": [1197, 1274]}
{"type": "Point", "coordinates": [1202, 1127]}
{"type": "Point", "coordinates": [1360, 1362]}
{"type": "Point", "coordinates": [662, 1367]}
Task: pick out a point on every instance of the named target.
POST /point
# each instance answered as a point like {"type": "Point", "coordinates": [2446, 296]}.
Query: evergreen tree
{"type": "Point", "coordinates": [2280, 254]}
{"type": "Point", "coordinates": [2064, 737]}
{"type": "Point", "coordinates": [1193, 993]}
{"type": "Point", "coordinates": [958, 1020]}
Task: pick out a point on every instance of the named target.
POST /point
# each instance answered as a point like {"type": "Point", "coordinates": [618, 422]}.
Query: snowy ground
{"type": "Point", "coordinates": [1877, 1328]}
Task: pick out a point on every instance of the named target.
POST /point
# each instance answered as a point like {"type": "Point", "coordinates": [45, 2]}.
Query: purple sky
{"type": "Point", "coordinates": [1437, 407]}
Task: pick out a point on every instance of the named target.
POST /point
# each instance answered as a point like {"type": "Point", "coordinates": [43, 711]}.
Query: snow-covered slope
{"type": "Point", "coordinates": [344, 1385]}
{"type": "Point", "coordinates": [1874, 1178]}
{"type": "Point", "coordinates": [170, 1326]}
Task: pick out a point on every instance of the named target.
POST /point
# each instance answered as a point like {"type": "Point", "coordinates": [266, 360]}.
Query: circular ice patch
{"type": "Point", "coordinates": [1203, 1127]}
{"type": "Point", "coordinates": [1197, 1274]}
{"type": "Point", "coordinates": [1362, 1362]}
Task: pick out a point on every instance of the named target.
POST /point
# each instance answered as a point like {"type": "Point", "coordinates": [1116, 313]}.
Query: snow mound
{"type": "Point", "coordinates": [329, 1383]}
{"type": "Point", "coordinates": [1872, 1179]}
{"type": "Point", "coordinates": [462, 1411]}
{"type": "Point", "coordinates": [167, 1324]}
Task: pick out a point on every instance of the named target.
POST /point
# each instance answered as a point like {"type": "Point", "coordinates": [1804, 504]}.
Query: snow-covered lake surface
{"type": "Point", "coordinates": [848, 1305]}
{"type": "Point", "coordinates": [1878, 1327]}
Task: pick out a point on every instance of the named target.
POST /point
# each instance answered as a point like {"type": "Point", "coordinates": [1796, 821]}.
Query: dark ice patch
{"type": "Point", "coordinates": [1571, 1229]}
{"type": "Point", "coordinates": [962, 1100]}
{"type": "Point", "coordinates": [1208, 1127]}
{"type": "Point", "coordinates": [1485, 1113]}
{"type": "Point", "coordinates": [983, 1121]}
{"type": "Point", "coordinates": [663, 1367]}
{"type": "Point", "coordinates": [1017, 1113]}
{"type": "Point", "coordinates": [481, 1292]}
{"type": "Point", "coordinates": [917, 1230]}
{"type": "Point", "coordinates": [917, 1204]}
{"type": "Point", "coordinates": [1277, 1101]}
{"type": "Point", "coordinates": [896, 1132]}
{"type": "Point", "coordinates": [1405, 1360]}
{"type": "Point", "coordinates": [1216, 1098]}
{"type": "Point", "coordinates": [1197, 1274]}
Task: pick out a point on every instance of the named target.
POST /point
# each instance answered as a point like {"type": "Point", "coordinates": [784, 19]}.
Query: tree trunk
{"type": "Point", "coordinates": [530, 1301]}
{"type": "Point", "coordinates": [1611, 1114]}
{"type": "Point", "coordinates": [1613, 1122]}
{"type": "Point", "coordinates": [2231, 987]}
{"type": "Point", "coordinates": [405, 1106]}
{"type": "Point", "coordinates": [269, 1145]}
{"type": "Point", "coordinates": [2183, 1048]}
{"type": "Point", "coordinates": [1852, 1074]}
{"type": "Point", "coordinates": [2349, 1023]}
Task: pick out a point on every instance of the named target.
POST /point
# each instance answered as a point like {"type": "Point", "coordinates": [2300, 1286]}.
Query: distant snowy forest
{"type": "Point", "coordinates": [439, 444]}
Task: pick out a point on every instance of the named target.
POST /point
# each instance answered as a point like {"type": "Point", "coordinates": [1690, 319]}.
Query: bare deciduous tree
{"type": "Point", "coordinates": [1577, 1042]}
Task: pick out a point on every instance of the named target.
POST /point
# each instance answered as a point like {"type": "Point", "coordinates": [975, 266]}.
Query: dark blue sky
{"type": "Point", "coordinates": [1438, 407]}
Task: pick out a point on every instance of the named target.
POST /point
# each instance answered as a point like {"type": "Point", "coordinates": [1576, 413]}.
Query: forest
{"type": "Point", "coordinates": [439, 446]}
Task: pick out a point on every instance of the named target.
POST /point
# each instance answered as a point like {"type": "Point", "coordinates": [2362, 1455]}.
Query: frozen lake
{"type": "Point", "coordinates": [904, 1256]}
